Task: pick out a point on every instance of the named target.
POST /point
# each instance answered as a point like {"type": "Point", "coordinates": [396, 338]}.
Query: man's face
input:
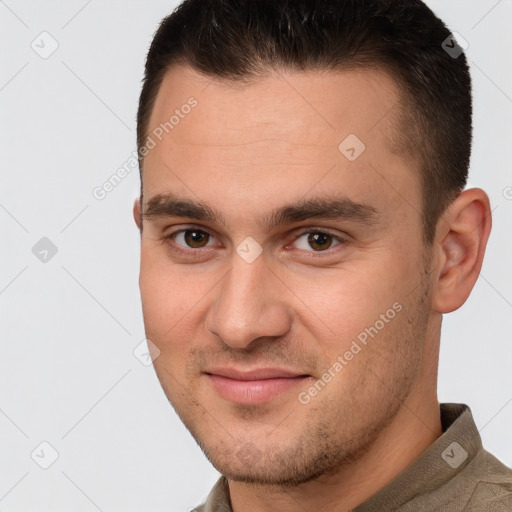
{"type": "Point", "coordinates": [288, 362]}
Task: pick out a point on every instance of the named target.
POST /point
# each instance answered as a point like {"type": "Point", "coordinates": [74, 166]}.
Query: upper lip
{"type": "Point", "coordinates": [255, 374]}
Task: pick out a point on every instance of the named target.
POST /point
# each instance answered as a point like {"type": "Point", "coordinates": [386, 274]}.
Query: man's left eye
{"type": "Point", "coordinates": [318, 240]}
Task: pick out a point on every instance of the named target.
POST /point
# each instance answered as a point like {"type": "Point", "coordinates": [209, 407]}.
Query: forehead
{"type": "Point", "coordinates": [317, 102]}
{"type": "Point", "coordinates": [277, 138]}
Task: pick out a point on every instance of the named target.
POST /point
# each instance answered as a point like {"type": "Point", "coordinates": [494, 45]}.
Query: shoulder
{"type": "Point", "coordinates": [218, 500]}
{"type": "Point", "coordinates": [491, 486]}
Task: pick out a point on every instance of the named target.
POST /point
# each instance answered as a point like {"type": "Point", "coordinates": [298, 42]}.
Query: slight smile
{"type": "Point", "coordinates": [253, 387]}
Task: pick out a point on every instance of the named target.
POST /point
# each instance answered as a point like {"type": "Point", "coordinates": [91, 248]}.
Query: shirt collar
{"type": "Point", "coordinates": [446, 457]}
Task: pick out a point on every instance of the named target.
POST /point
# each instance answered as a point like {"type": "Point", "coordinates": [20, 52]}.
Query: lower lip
{"type": "Point", "coordinates": [253, 392]}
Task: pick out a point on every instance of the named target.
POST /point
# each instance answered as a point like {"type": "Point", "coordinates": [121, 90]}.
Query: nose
{"type": "Point", "coordinates": [250, 304]}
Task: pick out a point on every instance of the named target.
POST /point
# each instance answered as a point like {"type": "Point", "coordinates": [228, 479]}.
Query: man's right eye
{"type": "Point", "coordinates": [188, 241]}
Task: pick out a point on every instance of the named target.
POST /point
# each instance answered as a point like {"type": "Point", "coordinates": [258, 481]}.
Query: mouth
{"type": "Point", "coordinates": [253, 387]}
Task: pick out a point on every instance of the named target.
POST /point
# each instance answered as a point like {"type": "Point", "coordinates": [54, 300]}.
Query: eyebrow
{"type": "Point", "coordinates": [321, 207]}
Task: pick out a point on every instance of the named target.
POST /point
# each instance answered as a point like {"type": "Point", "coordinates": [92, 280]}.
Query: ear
{"type": "Point", "coordinates": [137, 213]}
{"type": "Point", "coordinates": [459, 245]}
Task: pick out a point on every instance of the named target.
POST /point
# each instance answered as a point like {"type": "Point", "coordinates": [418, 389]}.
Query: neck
{"type": "Point", "coordinates": [415, 427]}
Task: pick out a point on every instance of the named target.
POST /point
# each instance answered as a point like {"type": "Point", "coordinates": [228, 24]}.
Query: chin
{"type": "Point", "coordinates": [270, 479]}
{"type": "Point", "coordinates": [273, 468]}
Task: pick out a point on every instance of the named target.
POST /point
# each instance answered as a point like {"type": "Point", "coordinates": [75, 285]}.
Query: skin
{"type": "Point", "coordinates": [245, 150]}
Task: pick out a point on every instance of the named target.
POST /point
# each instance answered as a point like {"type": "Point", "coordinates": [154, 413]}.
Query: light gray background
{"type": "Point", "coordinates": [68, 326]}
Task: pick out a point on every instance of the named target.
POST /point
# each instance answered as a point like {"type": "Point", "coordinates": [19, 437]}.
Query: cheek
{"type": "Point", "coordinates": [168, 300]}
{"type": "Point", "coordinates": [347, 303]}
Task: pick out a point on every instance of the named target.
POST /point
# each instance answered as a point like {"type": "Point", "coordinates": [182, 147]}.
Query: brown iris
{"type": "Point", "coordinates": [194, 238]}
{"type": "Point", "coordinates": [323, 240]}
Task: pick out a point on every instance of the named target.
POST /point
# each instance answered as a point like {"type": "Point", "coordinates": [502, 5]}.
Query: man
{"type": "Point", "coordinates": [304, 227]}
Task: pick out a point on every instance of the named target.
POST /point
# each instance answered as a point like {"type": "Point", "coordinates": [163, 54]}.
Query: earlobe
{"type": "Point", "coordinates": [461, 243]}
{"type": "Point", "coordinates": [136, 213]}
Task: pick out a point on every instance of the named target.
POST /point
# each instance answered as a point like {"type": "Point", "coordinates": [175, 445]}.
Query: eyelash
{"type": "Point", "coordinates": [169, 240]}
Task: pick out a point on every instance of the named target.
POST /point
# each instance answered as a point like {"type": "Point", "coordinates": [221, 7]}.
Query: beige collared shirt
{"type": "Point", "coordinates": [455, 474]}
